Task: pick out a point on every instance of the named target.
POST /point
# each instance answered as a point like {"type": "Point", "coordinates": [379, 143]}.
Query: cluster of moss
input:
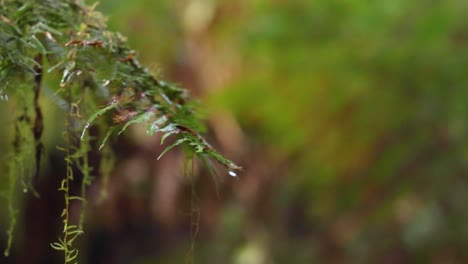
{"type": "Point", "coordinates": [102, 83]}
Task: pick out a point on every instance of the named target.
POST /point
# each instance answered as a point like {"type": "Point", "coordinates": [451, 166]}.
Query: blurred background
{"type": "Point", "coordinates": [348, 116]}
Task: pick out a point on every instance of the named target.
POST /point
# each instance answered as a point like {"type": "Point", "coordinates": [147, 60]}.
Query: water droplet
{"type": "Point", "coordinates": [68, 73]}
{"type": "Point", "coordinates": [64, 77]}
{"type": "Point", "coordinates": [84, 130]}
{"type": "Point", "coordinates": [232, 173]}
{"type": "Point", "coordinates": [25, 190]}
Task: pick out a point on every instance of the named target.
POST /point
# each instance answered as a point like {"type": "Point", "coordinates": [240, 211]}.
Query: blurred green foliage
{"type": "Point", "coordinates": [354, 111]}
{"type": "Point", "coordinates": [363, 102]}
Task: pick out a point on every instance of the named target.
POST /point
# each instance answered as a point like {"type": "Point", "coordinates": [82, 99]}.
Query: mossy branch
{"type": "Point", "coordinates": [95, 65]}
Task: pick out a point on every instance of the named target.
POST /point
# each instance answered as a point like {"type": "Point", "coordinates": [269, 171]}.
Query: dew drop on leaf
{"type": "Point", "coordinates": [84, 130]}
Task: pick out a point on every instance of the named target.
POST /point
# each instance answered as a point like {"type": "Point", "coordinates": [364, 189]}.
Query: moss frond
{"type": "Point", "coordinates": [102, 82]}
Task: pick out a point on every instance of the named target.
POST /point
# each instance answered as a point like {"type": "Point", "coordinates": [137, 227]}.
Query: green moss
{"type": "Point", "coordinates": [101, 81]}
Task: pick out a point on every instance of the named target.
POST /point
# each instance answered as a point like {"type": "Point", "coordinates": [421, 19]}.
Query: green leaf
{"type": "Point", "coordinates": [108, 134]}
{"type": "Point", "coordinates": [156, 125]}
{"type": "Point", "coordinates": [178, 142]}
{"type": "Point", "coordinates": [73, 254]}
{"type": "Point", "coordinates": [57, 246]}
{"type": "Point", "coordinates": [73, 235]}
{"type": "Point", "coordinates": [38, 45]}
{"type": "Point", "coordinates": [167, 134]}
{"type": "Point", "coordinates": [52, 68]}
{"type": "Point", "coordinates": [141, 118]}
{"type": "Point", "coordinates": [96, 115]}
{"type": "Point", "coordinates": [71, 227]}
{"type": "Point", "coordinates": [76, 198]}
{"type": "Point", "coordinates": [45, 28]}
{"type": "Point", "coordinates": [227, 163]}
